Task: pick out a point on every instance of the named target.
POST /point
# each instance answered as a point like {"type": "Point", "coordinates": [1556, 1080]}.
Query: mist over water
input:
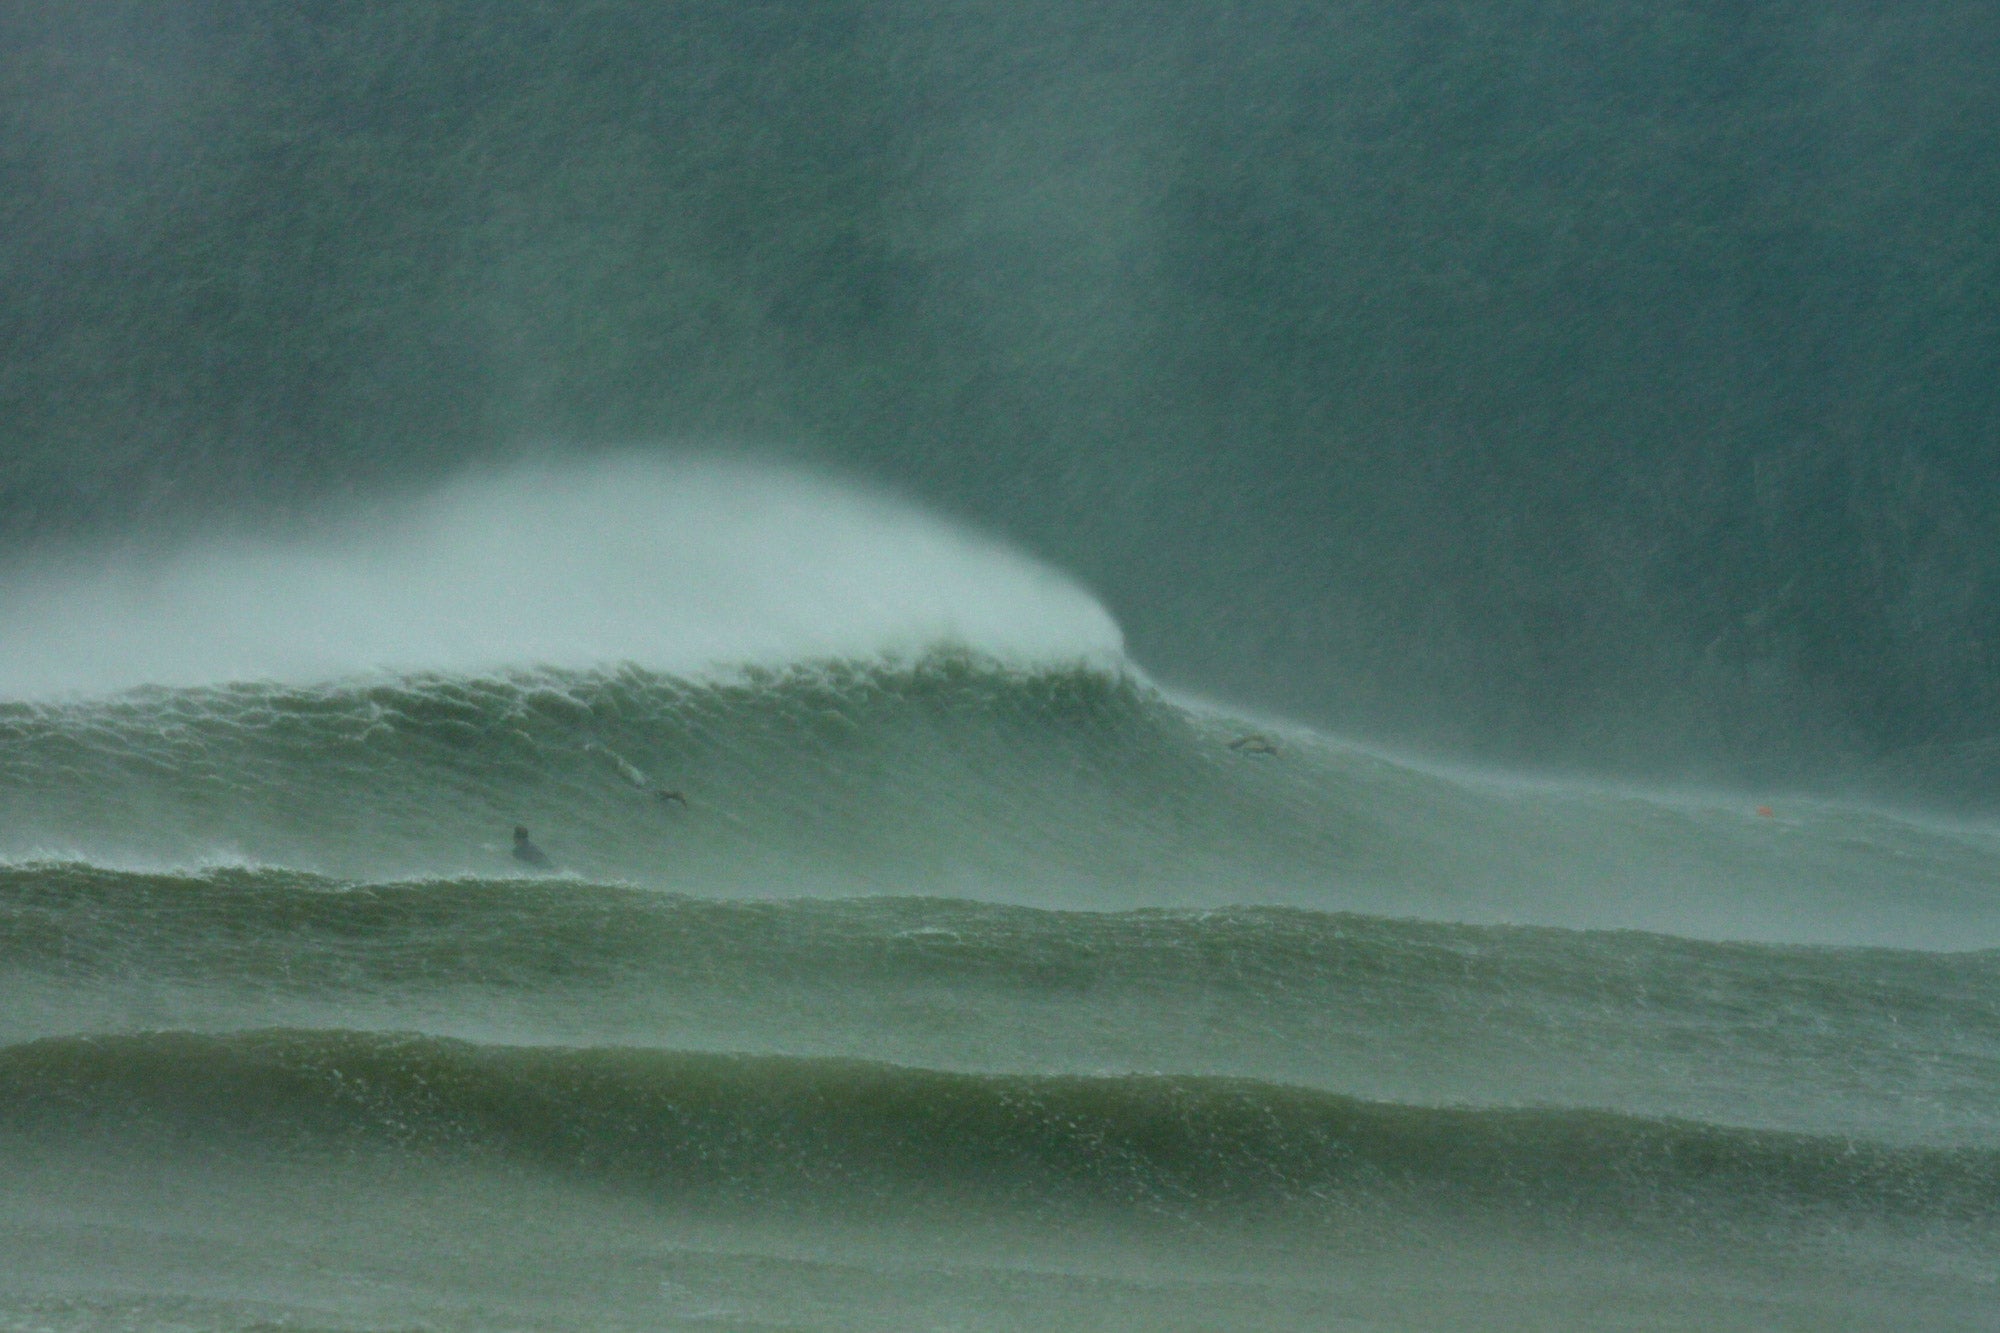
{"type": "Point", "coordinates": [678, 564]}
{"type": "Point", "coordinates": [850, 665]}
{"type": "Point", "coordinates": [1568, 386]}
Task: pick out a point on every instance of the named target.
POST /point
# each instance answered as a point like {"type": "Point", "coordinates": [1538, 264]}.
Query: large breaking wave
{"type": "Point", "coordinates": [881, 887]}
{"type": "Point", "coordinates": [949, 771]}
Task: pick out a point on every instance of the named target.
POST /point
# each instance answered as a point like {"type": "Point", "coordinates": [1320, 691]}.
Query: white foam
{"type": "Point", "coordinates": [678, 563]}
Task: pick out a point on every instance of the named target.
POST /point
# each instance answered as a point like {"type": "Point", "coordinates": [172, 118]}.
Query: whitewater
{"type": "Point", "coordinates": [908, 958]}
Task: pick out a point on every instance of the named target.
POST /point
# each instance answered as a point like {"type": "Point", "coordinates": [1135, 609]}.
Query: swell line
{"type": "Point", "coordinates": [755, 1127]}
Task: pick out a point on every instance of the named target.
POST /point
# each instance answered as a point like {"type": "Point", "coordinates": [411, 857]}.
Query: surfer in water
{"type": "Point", "coordinates": [525, 850]}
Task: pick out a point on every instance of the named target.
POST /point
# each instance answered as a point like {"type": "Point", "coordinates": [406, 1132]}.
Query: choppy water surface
{"type": "Point", "coordinates": [955, 992]}
{"type": "Point", "coordinates": [903, 516]}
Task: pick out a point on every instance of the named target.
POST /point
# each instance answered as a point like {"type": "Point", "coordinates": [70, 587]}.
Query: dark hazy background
{"type": "Point", "coordinates": [1610, 383]}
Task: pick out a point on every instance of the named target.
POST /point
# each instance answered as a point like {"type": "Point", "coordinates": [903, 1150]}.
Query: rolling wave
{"type": "Point", "coordinates": [1899, 1044]}
{"type": "Point", "coordinates": [953, 953]}
{"type": "Point", "coordinates": [949, 773]}
{"type": "Point", "coordinates": [837, 772]}
{"type": "Point", "coordinates": [833, 1132]}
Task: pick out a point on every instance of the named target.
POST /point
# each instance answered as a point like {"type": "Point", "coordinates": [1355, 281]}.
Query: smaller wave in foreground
{"type": "Point", "coordinates": [1895, 1044]}
{"type": "Point", "coordinates": [733, 1128]}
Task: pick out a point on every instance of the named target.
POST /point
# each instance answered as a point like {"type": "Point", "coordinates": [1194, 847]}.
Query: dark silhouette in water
{"type": "Point", "coordinates": [525, 849]}
{"type": "Point", "coordinates": [1254, 744]}
{"type": "Point", "coordinates": [665, 796]}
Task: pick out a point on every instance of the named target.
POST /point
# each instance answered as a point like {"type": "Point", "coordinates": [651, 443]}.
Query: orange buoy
{"type": "Point", "coordinates": [1767, 812]}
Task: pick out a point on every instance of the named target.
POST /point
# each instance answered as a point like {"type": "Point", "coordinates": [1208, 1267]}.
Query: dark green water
{"type": "Point", "coordinates": [956, 993]}
{"type": "Point", "coordinates": [1610, 383]}
{"type": "Point", "coordinates": [1049, 582]}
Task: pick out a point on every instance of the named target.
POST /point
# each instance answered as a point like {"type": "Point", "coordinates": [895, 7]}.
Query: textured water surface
{"type": "Point", "coordinates": [942, 991]}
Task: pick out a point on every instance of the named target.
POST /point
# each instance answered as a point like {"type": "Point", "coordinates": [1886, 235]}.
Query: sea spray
{"type": "Point", "coordinates": [677, 563]}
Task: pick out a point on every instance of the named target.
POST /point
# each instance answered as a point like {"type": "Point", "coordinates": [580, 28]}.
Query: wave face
{"type": "Point", "coordinates": [1896, 1045]}
{"type": "Point", "coordinates": [954, 975]}
{"type": "Point", "coordinates": [821, 1130]}
{"type": "Point", "coordinates": [950, 771]}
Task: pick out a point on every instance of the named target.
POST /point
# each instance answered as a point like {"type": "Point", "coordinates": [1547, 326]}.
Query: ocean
{"type": "Point", "coordinates": [1014, 665]}
{"type": "Point", "coordinates": [906, 957]}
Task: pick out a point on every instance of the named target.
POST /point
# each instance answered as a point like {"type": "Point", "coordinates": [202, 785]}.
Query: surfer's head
{"type": "Point", "coordinates": [525, 851]}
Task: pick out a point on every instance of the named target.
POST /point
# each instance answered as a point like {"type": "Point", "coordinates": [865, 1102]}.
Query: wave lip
{"type": "Point", "coordinates": [740, 1128]}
